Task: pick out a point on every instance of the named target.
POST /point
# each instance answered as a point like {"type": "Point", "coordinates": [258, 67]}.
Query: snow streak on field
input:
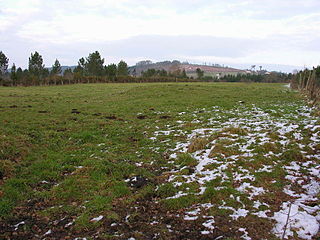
{"type": "Point", "coordinates": [247, 162]}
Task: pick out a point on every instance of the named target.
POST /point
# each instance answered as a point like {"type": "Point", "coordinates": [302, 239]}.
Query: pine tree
{"type": "Point", "coordinates": [19, 74]}
{"type": "Point", "coordinates": [94, 64]}
{"type": "Point", "coordinates": [13, 75]}
{"type": "Point", "coordinates": [111, 70]}
{"type": "Point", "coordinates": [79, 70]}
{"type": "Point", "coordinates": [36, 65]}
{"type": "Point", "coordinates": [56, 68]}
{"type": "Point", "coordinates": [122, 69]}
{"type": "Point", "coordinates": [3, 63]}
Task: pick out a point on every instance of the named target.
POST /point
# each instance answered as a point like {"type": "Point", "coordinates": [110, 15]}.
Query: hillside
{"type": "Point", "coordinates": [189, 68]}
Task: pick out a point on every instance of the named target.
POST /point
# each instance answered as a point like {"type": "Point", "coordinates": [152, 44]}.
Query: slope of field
{"type": "Point", "coordinates": [158, 161]}
{"type": "Point", "coordinates": [189, 68]}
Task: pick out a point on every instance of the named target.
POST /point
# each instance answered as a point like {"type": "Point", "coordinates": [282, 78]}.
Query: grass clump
{"type": "Point", "coordinates": [99, 204]}
{"type": "Point", "coordinates": [222, 148]}
{"type": "Point", "coordinates": [197, 143]}
{"type": "Point", "coordinates": [214, 195]}
{"type": "Point", "coordinates": [236, 130]}
{"type": "Point", "coordinates": [6, 168]}
{"type": "Point", "coordinates": [292, 155]}
{"type": "Point", "coordinates": [267, 147]}
{"type": "Point", "coordinates": [179, 203]}
{"type": "Point", "coordinates": [185, 159]}
{"type": "Point", "coordinates": [166, 190]}
{"type": "Point", "coordinates": [119, 189]}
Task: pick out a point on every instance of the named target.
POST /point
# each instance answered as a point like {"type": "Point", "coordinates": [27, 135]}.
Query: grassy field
{"type": "Point", "coordinates": [158, 161]}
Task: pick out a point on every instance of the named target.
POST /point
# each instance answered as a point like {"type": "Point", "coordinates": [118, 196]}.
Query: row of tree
{"type": "Point", "coordinates": [92, 69]}
{"type": "Point", "coordinates": [308, 81]}
{"type": "Point", "coordinates": [272, 77]}
{"type": "Point", "coordinates": [37, 74]}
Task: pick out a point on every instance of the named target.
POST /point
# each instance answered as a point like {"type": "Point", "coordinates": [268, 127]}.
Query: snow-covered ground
{"type": "Point", "coordinates": [256, 142]}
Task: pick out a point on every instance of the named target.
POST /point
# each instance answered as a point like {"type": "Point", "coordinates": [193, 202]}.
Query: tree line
{"type": "Point", "coordinates": [272, 77]}
{"type": "Point", "coordinates": [37, 74]}
{"type": "Point", "coordinates": [92, 69]}
{"type": "Point", "coordinates": [308, 82]}
{"type": "Point", "coordinates": [89, 70]}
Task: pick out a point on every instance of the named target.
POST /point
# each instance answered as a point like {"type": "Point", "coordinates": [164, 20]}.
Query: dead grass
{"type": "Point", "coordinates": [222, 149]}
{"type": "Point", "coordinates": [197, 144]}
{"type": "Point", "coordinates": [271, 147]}
{"type": "Point", "coordinates": [273, 136]}
{"type": "Point", "coordinates": [236, 130]}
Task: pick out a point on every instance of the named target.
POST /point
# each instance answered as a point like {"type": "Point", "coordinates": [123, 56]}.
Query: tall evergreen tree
{"type": "Point", "coordinates": [13, 75]}
{"type": "Point", "coordinates": [67, 72]}
{"type": "Point", "coordinates": [111, 70]}
{"type": "Point", "coordinates": [81, 67]}
{"type": "Point", "coordinates": [56, 68]}
{"type": "Point", "coordinates": [122, 69]}
{"type": "Point", "coordinates": [36, 65]}
{"type": "Point", "coordinates": [163, 73]}
{"type": "Point", "coordinates": [45, 72]}
{"type": "Point", "coordinates": [94, 64]}
{"type": "Point", "coordinates": [4, 63]}
{"type": "Point", "coordinates": [68, 75]}
{"type": "Point", "coordinates": [19, 74]}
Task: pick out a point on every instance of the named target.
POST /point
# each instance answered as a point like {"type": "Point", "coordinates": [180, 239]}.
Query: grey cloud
{"type": "Point", "coordinates": [166, 47]}
{"type": "Point", "coordinates": [161, 46]}
{"type": "Point", "coordinates": [151, 47]}
{"type": "Point", "coordinates": [271, 9]}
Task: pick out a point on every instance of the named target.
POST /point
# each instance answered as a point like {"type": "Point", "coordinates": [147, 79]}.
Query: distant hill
{"type": "Point", "coordinates": [190, 69]}
{"type": "Point", "coordinates": [171, 66]}
{"type": "Point", "coordinates": [63, 68]}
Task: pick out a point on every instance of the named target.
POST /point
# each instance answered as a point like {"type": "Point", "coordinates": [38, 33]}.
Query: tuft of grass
{"type": "Point", "coordinates": [120, 189]}
{"type": "Point", "coordinates": [185, 159]}
{"type": "Point", "coordinates": [197, 143]}
{"type": "Point", "coordinates": [273, 136]}
{"type": "Point", "coordinates": [6, 168]}
{"type": "Point", "coordinates": [221, 212]}
{"type": "Point", "coordinates": [292, 155]}
{"type": "Point", "coordinates": [179, 203]}
{"type": "Point", "coordinates": [166, 190]}
{"type": "Point", "coordinates": [216, 196]}
{"type": "Point", "coordinates": [99, 204]}
{"type": "Point", "coordinates": [223, 148]}
{"type": "Point", "coordinates": [267, 147]}
{"type": "Point", "coordinates": [11, 194]}
{"type": "Point", "coordinates": [236, 130]}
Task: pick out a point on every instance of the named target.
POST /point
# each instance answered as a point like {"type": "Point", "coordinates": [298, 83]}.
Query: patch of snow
{"type": "Point", "coordinates": [305, 224]}
{"type": "Point", "coordinates": [48, 232]}
{"type": "Point", "coordinates": [68, 224]}
{"type": "Point", "coordinates": [18, 224]}
{"type": "Point", "coordinates": [259, 124]}
{"type": "Point", "coordinates": [245, 235]}
{"type": "Point", "coordinates": [96, 219]}
{"type": "Point", "coordinates": [209, 224]}
{"type": "Point", "coordinates": [239, 213]}
{"type": "Point", "coordinates": [189, 218]}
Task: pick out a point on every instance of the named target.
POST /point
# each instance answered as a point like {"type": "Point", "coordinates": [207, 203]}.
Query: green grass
{"type": "Point", "coordinates": [180, 202]}
{"type": "Point", "coordinates": [186, 159]}
{"type": "Point", "coordinates": [85, 158]}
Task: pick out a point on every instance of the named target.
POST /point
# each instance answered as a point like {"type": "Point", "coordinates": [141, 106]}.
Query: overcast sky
{"type": "Point", "coordinates": [233, 32]}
